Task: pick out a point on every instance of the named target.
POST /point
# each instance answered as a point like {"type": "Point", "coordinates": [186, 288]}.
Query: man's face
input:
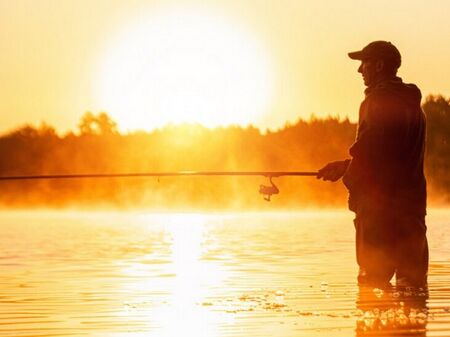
{"type": "Point", "coordinates": [370, 70]}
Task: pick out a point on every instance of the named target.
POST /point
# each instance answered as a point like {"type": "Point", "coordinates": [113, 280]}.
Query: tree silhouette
{"type": "Point", "coordinates": [101, 124]}
{"type": "Point", "coordinates": [100, 148]}
{"type": "Point", "coordinates": [437, 110]}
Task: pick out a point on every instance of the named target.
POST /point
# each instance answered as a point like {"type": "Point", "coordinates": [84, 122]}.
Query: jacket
{"type": "Point", "coordinates": [386, 169]}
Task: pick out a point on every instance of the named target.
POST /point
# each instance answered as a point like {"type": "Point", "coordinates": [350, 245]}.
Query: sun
{"type": "Point", "coordinates": [183, 65]}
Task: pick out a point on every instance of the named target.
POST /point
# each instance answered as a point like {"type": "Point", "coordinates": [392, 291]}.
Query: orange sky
{"type": "Point", "coordinates": [52, 52]}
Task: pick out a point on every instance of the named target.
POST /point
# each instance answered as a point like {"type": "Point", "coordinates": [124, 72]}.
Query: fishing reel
{"type": "Point", "coordinates": [268, 191]}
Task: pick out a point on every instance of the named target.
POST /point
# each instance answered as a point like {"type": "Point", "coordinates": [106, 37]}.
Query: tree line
{"type": "Point", "coordinates": [98, 147]}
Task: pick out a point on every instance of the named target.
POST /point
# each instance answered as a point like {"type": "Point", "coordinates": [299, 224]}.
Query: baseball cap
{"type": "Point", "coordinates": [378, 49]}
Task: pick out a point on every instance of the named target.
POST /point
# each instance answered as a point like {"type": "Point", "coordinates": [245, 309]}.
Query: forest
{"type": "Point", "coordinates": [98, 147]}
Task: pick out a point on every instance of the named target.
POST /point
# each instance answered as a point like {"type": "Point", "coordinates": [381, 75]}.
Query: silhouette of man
{"type": "Point", "coordinates": [384, 177]}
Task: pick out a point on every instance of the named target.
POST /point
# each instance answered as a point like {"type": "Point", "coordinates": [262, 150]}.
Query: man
{"type": "Point", "coordinates": [385, 179]}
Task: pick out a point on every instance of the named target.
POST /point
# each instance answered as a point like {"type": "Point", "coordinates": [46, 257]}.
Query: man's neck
{"type": "Point", "coordinates": [380, 80]}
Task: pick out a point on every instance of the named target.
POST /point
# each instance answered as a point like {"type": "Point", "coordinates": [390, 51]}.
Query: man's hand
{"type": "Point", "coordinates": [333, 171]}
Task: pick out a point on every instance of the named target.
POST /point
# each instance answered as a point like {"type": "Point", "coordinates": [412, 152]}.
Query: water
{"type": "Point", "coordinates": [262, 274]}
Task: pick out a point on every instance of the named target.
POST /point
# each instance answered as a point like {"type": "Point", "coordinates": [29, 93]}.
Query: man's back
{"type": "Point", "coordinates": [388, 154]}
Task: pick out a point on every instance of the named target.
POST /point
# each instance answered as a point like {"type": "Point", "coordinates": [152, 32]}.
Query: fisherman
{"type": "Point", "coordinates": [384, 177]}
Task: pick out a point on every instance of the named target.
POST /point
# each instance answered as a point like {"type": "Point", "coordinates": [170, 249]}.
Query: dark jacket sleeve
{"type": "Point", "coordinates": [378, 150]}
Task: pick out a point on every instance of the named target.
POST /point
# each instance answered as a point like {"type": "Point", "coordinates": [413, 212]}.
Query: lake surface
{"type": "Point", "coordinates": [212, 275]}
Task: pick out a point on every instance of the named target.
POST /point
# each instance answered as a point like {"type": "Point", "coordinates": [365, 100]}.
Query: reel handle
{"type": "Point", "coordinates": [268, 191]}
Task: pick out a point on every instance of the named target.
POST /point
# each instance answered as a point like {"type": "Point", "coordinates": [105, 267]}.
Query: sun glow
{"type": "Point", "coordinates": [182, 65]}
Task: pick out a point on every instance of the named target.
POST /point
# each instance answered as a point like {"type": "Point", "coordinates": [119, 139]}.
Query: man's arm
{"type": "Point", "coordinates": [379, 147]}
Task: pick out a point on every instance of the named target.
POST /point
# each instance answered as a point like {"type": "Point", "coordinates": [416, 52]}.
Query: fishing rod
{"type": "Point", "coordinates": [266, 191]}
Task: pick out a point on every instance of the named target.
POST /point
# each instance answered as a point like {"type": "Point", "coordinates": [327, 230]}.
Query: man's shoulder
{"type": "Point", "coordinates": [393, 96]}
{"type": "Point", "coordinates": [395, 90]}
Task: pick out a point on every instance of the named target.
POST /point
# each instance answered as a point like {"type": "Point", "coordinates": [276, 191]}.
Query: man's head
{"type": "Point", "coordinates": [379, 59]}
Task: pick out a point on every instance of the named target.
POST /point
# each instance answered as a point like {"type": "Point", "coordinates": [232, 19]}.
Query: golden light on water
{"type": "Point", "coordinates": [215, 275]}
{"type": "Point", "coordinates": [186, 315]}
{"type": "Point", "coordinates": [186, 310]}
{"type": "Point", "coordinates": [183, 65]}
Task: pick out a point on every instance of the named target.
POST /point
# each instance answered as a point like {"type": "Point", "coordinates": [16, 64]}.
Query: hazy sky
{"type": "Point", "coordinates": [51, 52]}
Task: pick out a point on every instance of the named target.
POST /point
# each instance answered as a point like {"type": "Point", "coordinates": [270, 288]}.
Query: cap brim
{"type": "Point", "coordinates": [356, 55]}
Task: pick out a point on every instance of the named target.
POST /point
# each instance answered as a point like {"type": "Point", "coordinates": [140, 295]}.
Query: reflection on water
{"type": "Point", "coordinates": [392, 312]}
{"type": "Point", "coordinates": [280, 274]}
{"type": "Point", "coordinates": [184, 316]}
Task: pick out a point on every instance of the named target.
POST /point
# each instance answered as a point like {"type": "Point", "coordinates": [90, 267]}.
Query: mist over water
{"type": "Point", "coordinates": [192, 274]}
